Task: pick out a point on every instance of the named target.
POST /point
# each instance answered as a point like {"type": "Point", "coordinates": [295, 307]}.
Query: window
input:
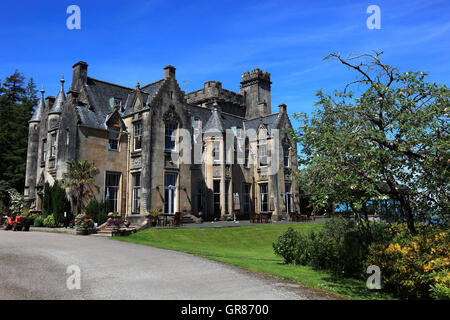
{"type": "Point", "coordinates": [112, 192]}
{"type": "Point", "coordinates": [137, 136]}
{"type": "Point", "coordinates": [216, 151]}
{"type": "Point", "coordinates": [263, 197]}
{"type": "Point", "coordinates": [113, 139]}
{"type": "Point", "coordinates": [67, 137]}
{"type": "Point", "coordinates": [197, 126]}
{"type": "Point", "coordinates": [170, 192]}
{"type": "Point", "coordinates": [216, 191]}
{"type": "Point", "coordinates": [287, 197]}
{"type": "Point", "coordinates": [247, 153]}
{"type": "Point", "coordinates": [170, 128]}
{"type": "Point", "coordinates": [44, 149]}
{"type": "Point", "coordinates": [246, 198]}
{"type": "Point", "coordinates": [117, 103]}
{"type": "Point", "coordinates": [263, 155]}
{"type": "Point", "coordinates": [286, 156]}
{"type": "Point", "coordinates": [53, 145]}
{"type": "Point", "coordinates": [136, 205]}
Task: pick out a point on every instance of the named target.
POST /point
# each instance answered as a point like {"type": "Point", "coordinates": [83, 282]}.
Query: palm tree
{"type": "Point", "coordinates": [79, 178]}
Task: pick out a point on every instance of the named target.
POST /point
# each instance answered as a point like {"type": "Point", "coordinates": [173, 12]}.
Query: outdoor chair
{"type": "Point", "coordinates": [293, 216]}
{"type": "Point", "coordinates": [252, 217]}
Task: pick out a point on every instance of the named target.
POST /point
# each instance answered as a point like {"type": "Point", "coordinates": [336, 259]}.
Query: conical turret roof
{"type": "Point", "coordinates": [37, 115]}
{"type": "Point", "coordinates": [215, 122]}
{"type": "Point", "coordinates": [60, 98]}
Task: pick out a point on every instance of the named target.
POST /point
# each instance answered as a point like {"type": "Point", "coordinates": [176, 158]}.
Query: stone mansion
{"type": "Point", "coordinates": [131, 136]}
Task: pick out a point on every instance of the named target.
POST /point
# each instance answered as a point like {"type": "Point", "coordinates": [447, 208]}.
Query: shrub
{"type": "Point", "coordinates": [340, 247]}
{"type": "Point", "coordinates": [55, 202]}
{"type": "Point", "coordinates": [49, 221]}
{"type": "Point", "coordinates": [287, 246]}
{"type": "Point", "coordinates": [415, 266]}
{"type": "Point", "coordinates": [96, 210]}
{"type": "Point", "coordinates": [38, 221]}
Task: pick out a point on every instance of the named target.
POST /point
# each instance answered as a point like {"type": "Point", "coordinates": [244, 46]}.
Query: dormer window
{"type": "Point", "coordinates": [113, 139]}
{"type": "Point", "coordinates": [117, 103]}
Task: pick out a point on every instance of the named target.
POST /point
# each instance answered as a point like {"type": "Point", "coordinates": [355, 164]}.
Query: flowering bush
{"type": "Point", "coordinates": [414, 266]}
{"type": "Point", "coordinates": [83, 221]}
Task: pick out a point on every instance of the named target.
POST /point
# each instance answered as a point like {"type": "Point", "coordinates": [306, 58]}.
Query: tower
{"type": "Point", "coordinates": [255, 87]}
{"type": "Point", "coordinates": [32, 152]}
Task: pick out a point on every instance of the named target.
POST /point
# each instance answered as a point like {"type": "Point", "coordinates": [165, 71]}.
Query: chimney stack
{"type": "Point", "coordinates": [282, 108]}
{"type": "Point", "coordinates": [169, 72]}
{"type": "Point", "coordinates": [79, 77]}
{"type": "Point", "coordinates": [49, 101]}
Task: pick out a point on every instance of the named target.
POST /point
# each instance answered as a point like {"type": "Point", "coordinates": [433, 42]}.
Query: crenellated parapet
{"type": "Point", "coordinates": [254, 76]}
{"type": "Point", "coordinates": [213, 90]}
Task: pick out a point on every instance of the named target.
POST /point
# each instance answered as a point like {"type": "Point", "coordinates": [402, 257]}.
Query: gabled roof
{"type": "Point", "coordinates": [148, 93]}
{"type": "Point", "coordinates": [270, 122]}
{"type": "Point", "coordinates": [37, 115]}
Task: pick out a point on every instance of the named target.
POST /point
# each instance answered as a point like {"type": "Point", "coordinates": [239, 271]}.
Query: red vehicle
{"type": "Point", "coordinates": [16, 223]}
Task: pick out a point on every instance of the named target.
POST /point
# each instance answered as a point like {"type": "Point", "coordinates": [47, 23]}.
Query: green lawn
{"type": "Point", "coordinates": [251, 248]}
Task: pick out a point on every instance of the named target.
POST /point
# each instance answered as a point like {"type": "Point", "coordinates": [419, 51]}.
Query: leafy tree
{"type": "Point", "coordinates": [80, 178]}
{"type": "Point", "coordinates": [392, 140]}
{"type": "Point", "coordinates": [17, 100]}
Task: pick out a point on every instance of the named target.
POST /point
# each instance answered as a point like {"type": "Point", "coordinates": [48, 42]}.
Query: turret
{"type": "Point", "coordinates": [32, 151]}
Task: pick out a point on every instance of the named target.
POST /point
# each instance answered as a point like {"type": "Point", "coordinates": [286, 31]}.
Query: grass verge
{"type": "Point", "coordinates": [250, 247]}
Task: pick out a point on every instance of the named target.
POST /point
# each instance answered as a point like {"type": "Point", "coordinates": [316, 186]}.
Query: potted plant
{"type": "Point", "coordinates": [154, 214]}
{"type": "Point", "coordinates": [84, 224]}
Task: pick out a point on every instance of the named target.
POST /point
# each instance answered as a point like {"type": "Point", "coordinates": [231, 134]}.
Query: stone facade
{"type": "Point", "coordinates": [127, 133]}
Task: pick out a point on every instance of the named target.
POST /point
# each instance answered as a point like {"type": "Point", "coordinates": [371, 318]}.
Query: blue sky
{"type": "Point", "coordinates": [129, 41]}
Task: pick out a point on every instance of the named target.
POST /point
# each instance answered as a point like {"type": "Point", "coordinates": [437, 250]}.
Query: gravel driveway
{"type": "Point", "coordinates": [33, 265]}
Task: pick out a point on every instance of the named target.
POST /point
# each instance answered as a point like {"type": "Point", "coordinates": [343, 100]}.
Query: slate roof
{"type": "Point", "coordinates": [37, 115]}
{"type": "Point", "coordinates": [270, 121]}
{"type": "Point", "coordinates": [99, 93]}
{"type": "Point", "coordinates": [214, 122]}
